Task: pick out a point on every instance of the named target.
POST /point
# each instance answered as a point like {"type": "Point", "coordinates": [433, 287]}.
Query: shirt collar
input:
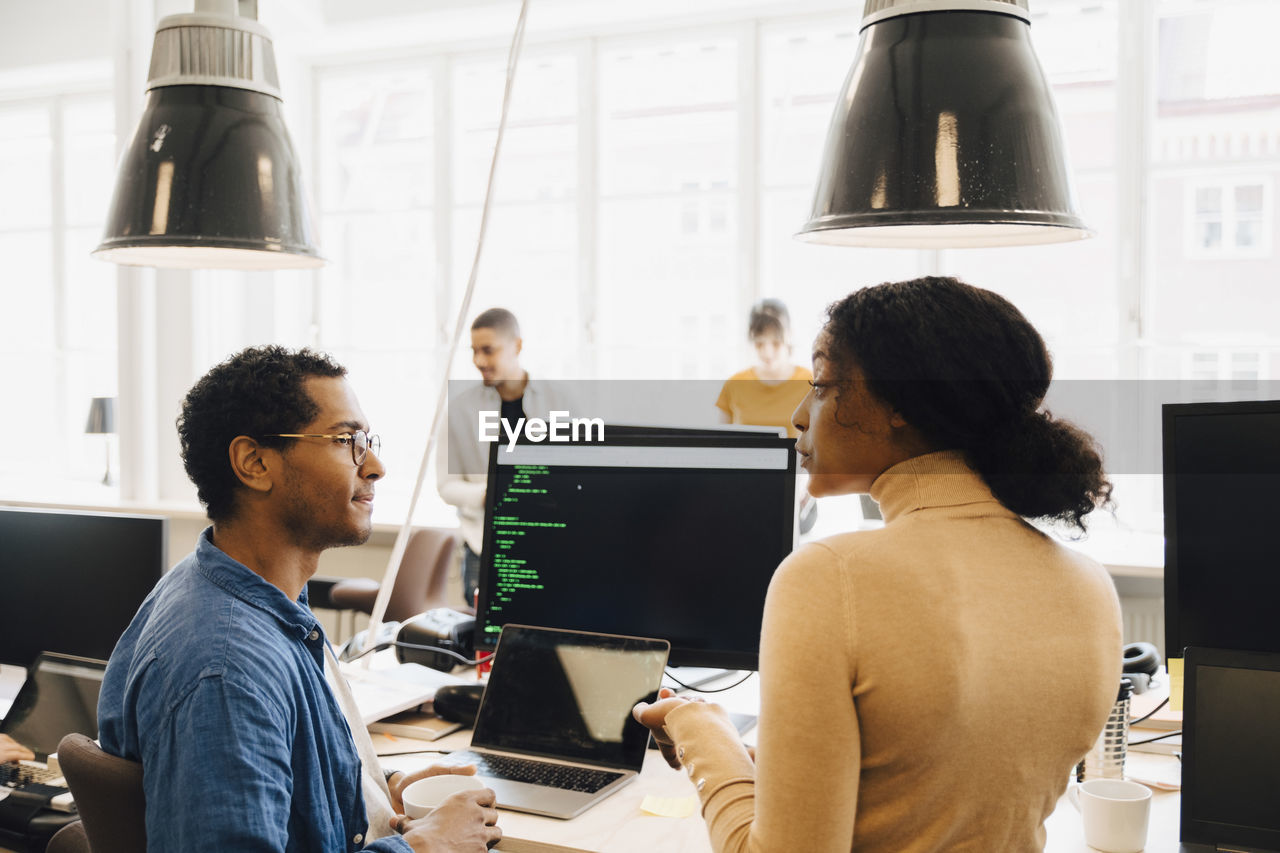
{"type": "Point", "coordinates": [936, 479]}
{"type": "Point", "coordinates": [295, 617]}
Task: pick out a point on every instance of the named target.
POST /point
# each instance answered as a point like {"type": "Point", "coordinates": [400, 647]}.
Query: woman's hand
{"type": "Point", "coordinates": [399, 781]}
{"type": "Point", "coordinates": [11, 750]}
{"type": "Point", "coordinates": [654, 717]}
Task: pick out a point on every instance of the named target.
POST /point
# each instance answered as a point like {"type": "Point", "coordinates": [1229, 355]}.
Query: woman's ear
{"type": "Point", "coordinates": [250, 465]}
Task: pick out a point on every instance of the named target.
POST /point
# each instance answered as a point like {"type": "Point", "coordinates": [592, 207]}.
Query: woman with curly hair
{"type": "Point", "coordinates": [927, 686]}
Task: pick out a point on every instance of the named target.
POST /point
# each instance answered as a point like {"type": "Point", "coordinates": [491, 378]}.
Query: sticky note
{"type": "Point", "coordinates": [669, 806]}
{"type": "Point", "coordinates": [1175, 684]}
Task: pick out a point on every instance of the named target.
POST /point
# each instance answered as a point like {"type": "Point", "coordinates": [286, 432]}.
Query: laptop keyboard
{"type": "Point", "coordinates": [565, 777]}
{"type": "Point", "coordinates": [17, 775]}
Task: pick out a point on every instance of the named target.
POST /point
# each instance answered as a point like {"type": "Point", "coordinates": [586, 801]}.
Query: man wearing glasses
{"type": "Point", "coordinates": [218, 685]}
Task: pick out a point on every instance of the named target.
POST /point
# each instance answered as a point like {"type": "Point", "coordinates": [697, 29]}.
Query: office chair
{"type": "Point", "coordinates": [108, 792]}
{"type": "Point", "coordinates": [420, 584]}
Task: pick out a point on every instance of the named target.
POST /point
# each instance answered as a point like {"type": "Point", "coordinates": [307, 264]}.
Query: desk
{"type": "Point", "coordinates": [616, 825]}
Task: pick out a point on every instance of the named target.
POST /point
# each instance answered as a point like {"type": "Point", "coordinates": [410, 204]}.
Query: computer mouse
{"type": "Point", "coordinates": [459, 703]}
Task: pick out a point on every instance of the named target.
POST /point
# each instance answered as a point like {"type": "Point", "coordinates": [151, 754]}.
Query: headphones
{"type": "Point", "coordinates": [1141, 663]}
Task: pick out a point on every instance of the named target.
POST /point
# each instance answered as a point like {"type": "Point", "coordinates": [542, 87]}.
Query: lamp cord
{"type": "Point", "coordinates": [464, 309]}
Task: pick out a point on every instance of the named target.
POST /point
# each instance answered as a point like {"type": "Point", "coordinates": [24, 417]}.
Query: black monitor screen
{"type": "Point", "coordinates": [72, 581]}
{"type": "Point", "coordinates": [1221, 510]}
{"type": "Point", "coordinates": [672, 537]}
{"type": "Point", "coordinates": [1231, 756]}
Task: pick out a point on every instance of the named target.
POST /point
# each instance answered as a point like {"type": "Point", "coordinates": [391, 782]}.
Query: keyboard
{"type": "Point", "coordinates": [18, 775]}
{"type": "Point", "coordinates": [566, 777]}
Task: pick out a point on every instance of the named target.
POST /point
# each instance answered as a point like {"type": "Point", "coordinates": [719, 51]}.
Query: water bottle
{"type": "Point", "coordinates": [1106, 759]}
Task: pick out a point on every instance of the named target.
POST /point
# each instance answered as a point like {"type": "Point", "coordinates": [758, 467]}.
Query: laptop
{"type": "Point", "coordinates": [1231, 751]}
{"type": "Point", "coordinates": [554, 733]}
{"type": "Point", "coordinates": [60, 696]}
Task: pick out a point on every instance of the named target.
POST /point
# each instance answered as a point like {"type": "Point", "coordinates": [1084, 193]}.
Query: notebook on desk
{"type": "Point", "coordinates": [1231, 752]}
{"type": "Point", "coordinates": [60, 696]}
{"type": "Point", "coordinates": [554, 733]}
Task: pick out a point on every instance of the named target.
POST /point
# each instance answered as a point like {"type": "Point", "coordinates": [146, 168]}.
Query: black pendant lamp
{"type": "Point", "coordinates": [945, 134]}
{"type": "Point", "coordinates": [210, 179]}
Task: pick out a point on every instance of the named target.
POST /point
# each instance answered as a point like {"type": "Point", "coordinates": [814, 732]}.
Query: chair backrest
{"type": "Point", "coordinates": [108, 792]}
{"type": "Point", "coordinates": [424, 573]}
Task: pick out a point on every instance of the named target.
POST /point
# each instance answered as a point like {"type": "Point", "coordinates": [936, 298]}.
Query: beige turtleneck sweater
{"type": "Point", "coordinates": [924, 687]}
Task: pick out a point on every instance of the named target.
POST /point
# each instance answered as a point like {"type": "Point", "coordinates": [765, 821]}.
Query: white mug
{"type": "Point", "coordinates": [421, 797]}
{"type": "Point", "coordinates": [1115, 813]}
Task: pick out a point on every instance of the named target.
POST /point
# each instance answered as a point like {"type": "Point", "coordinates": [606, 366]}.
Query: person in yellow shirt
{"type": "Point", "coordinates": [766, 393]}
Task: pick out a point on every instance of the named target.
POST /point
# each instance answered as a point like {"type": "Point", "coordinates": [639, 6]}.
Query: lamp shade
{"type": "Point", "coordinates": [102, 416]}
{"type": "Point", "coordinates": [945, 135]}
{"type": "Point", "coordinates": [210, 178]}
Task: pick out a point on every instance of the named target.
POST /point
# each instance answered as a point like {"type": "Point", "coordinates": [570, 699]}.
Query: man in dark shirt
{"type": "Point", "coordinates": [218, 685]}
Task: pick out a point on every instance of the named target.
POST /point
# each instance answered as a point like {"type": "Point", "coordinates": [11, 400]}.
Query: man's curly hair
{"type": "Point", "coordinates": [255, 392]}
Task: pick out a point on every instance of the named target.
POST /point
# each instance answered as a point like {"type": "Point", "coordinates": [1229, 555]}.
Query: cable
{"type": "Point", "coordinates": [1154, 739]}
{"type": "Point", "coordinates": [465, 661]}
{"type": "Point", "coordinates": [1150, 713]}
{"type": "Point", "coordinates": [713, 690]}
{"type": "Point", "coordinates": [402, 538]}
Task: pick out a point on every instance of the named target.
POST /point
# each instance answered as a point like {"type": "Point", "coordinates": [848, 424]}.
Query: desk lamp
{"type": "Point", "coordinates": [945, 135]}
{"type": "Point", "coordinates": [210, 179]}
{"type": "Point", "coordinates": [102, 421]}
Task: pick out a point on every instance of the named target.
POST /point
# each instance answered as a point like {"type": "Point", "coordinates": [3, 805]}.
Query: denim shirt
{"type": "Point", "coordinates": [218, 688]}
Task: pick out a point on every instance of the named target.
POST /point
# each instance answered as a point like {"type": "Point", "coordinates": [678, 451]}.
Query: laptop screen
{"type": "Point", "coordinates": [1231, 755]}
{"type": "Point", "coordinates": [60, 696]}
{"type": "Point", "coordinates": [569, 695]}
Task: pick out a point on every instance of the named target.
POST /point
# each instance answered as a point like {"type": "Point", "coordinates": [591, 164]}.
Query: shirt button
{"type": "Point", "coordinates": [313, 636]}
{"type": "Point", "coordinates": [358, 838]}
{"type": "Point", "coordinates": [680, 753]}
{"type": "Point", "coordinates": [702, 783]}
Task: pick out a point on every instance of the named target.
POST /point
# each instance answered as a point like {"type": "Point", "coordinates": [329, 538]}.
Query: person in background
{"type": "Point", "coordinates": [927, 686]}
{"type": "Point", "coordinates": [11, 750]}
{"type": "Point", "coordinates": [462, 462]}
{"type": "Point", "coordinates": [218, 685]}
{"type": "Point", "coordinates": [766, 393]}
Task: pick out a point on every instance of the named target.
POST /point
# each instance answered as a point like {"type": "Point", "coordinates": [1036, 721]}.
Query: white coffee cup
{"type": "Point", "coordinates": [1115, 813]}
{"type": "Point", "coordinates": [421, 797]}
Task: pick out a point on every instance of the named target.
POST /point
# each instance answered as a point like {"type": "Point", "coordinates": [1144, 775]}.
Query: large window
{"type": "Point", "coordinates": [58, 323]}
{"type": "Point", "coordinates": [652, 176]}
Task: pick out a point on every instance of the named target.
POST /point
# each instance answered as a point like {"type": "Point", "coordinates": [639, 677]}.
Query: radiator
{"type": "Point", "coordinates": [1143, 620]}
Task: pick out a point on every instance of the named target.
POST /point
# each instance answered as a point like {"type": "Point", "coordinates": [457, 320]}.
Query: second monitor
{"type": "Point", "coordinates": [666, 536]}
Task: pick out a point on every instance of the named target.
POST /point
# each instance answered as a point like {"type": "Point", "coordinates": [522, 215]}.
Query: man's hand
{"type": "Point", "coordinates": [466, 822]}
{"type": "Point", "coordinates": [400, 781]}
{"type": "Point", "coordinates": [11, 750]}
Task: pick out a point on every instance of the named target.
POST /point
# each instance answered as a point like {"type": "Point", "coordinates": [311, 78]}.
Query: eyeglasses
{"type": "Point", "coordinates": [359, 441]}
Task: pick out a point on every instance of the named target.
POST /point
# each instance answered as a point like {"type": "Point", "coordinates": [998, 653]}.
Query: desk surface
{"type": "Point", "coordinates": [617, 825]}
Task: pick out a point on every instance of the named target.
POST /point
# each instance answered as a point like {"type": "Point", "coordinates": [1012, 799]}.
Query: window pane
{"type": "Point", "coordinates": [803, 71]}
{"type": "Point", "coordinates": [25, 151]}
{"type": "Point", "coordinates": [1212, 274]}
{"type": "Point", "coordinates": [669, 300]}
{"type": "Point", "coordinates": [1248, 199]}
{"type": "Point", "coordinates": [530, 268]}
{"type": "Point", "coordinates": [91, 160]}
{"type": "Point", "coordinates": [375, 132]}
{"type": "Point", "coordinates": [1208, 200]}
{"type": "Point", "coordinates": [669, 117]}
{"type": "Point", "coordinates": [540, 146]}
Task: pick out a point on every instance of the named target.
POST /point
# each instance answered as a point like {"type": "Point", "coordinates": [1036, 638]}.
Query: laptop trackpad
{"type": "Point", "coordinates": [536, 799]}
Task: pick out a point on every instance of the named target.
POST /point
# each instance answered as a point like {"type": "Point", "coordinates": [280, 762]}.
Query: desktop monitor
{"type": "Point", "coordinates": [1230, 751]}
{"type": "Point", "coordinates": [1221, 505]}
{"type": "Point", "coordinates": [72, 581]}
{"type": "Point", "coordinates": [665, 534]}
